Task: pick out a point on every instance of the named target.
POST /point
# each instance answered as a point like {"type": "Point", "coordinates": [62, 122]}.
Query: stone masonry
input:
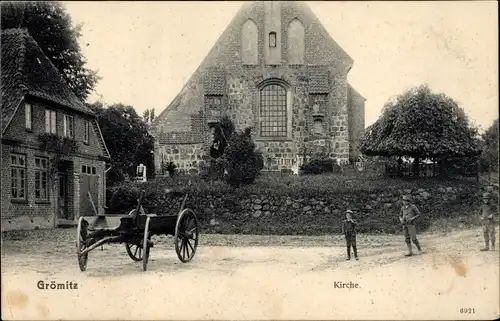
{"type": "Point", "coordinates": [277, 43]}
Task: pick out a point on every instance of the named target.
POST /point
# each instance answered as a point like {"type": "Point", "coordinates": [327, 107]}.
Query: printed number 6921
{"type": "Point", "coordinates": [467, 310]}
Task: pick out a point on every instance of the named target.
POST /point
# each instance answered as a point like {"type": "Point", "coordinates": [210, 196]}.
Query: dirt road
{"type": "Point", "coordinates": [264, 278]}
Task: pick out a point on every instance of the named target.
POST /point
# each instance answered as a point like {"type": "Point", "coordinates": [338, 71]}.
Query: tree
{"type": "Point", "coordinates": [50, 25]}
{"type": "Point", "coordinates": [222, 135]}
{"type": "Point", "coordinates": [127, 139]}
{"type": "Point", "coordinates": [145, 115]}
{"type": "Point", "coordinates": [489, 156]}
{"type": "Point", "coordinates": [421, 124]}
{"type": "Point", "coordinates": [241, 160]}
{"type": "Point", "coordinates": [152, 115]}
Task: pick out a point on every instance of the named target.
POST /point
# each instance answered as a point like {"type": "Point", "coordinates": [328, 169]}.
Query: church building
{"type": "Point", "coordinates": [277, 70]}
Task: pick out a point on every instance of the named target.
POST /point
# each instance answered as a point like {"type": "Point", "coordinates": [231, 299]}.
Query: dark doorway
{"type": "Point", "coordinates": [62, 196]}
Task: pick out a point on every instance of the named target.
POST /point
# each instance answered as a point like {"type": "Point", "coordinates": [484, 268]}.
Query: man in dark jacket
{"type": "Point", "coordinates": [349, 231]}
{"type": "Point", "coordinates": [409, 212]}
{"type": "Point", "coordinates": [486, 213]}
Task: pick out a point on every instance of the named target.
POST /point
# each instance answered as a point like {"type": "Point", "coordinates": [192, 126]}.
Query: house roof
{"type": "Point", "coordinates": [27, 71]}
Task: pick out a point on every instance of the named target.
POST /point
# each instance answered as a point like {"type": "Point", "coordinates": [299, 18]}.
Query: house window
{"type": "Point", "coordinates": [18, 176]}
{"type": "Point", "coordinates": [28, 119]}
{"type": "Point", "coordinates": [41, 178]}
{"type": "Point", "coordinates": [272, 39]}
{"type": "Point", "coordinates": [86, 132]}
{"type": "Point", "coordinates": [50, 121]}
{"type": "Point", "coordinates": [93, 171]}
{"type": "Point", "coordinates": [68, 126]}
{"type": "Point", "coordinates": [84, 169]}
{"type": "Point", "coordinates": [273, 111]}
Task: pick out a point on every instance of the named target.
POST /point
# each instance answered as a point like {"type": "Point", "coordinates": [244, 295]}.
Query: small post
{"type": "Point", "coordinates": [139, 204]}
{"type": "Point", "coordinates": [183, 202]}
{"type": "Point", "coordinates": [92, 202]}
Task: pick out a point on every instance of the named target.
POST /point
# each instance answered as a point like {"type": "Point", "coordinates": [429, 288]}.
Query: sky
{"type": "Point", "coordinates": [146, 51]}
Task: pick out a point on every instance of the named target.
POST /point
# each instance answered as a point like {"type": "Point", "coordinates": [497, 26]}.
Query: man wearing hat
{"type": "Point", "coordinates": [407, 215]}
{"type": "Point", "coordinates": [486, 215]}
{"type": "Point", "coordinates": [349, 231]}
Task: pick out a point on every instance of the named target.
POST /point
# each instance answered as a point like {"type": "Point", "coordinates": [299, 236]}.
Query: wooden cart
{"type": "Point", "coordinates": [135, 229]}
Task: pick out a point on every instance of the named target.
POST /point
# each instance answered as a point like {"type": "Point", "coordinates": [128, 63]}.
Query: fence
{"type": "Point", "coordinates": [432, 170]}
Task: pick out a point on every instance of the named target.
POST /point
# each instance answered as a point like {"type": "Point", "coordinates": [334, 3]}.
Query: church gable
{"type": "Point", "coordinates": [276, 69]}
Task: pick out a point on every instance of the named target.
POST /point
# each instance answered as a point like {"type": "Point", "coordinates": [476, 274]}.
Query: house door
{"type": "Point", "coordinates": [89, 195]}
{"type": "Point", "coordinates": [62, 197]}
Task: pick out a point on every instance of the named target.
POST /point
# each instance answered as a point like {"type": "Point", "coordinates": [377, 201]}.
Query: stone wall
{"type": "Point", "coordinates": [323, 213]}
{"type": "Point", "coordinates": [188, 158]}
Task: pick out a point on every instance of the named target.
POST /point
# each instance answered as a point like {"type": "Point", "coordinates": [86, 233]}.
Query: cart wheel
{"type": "Point", "coordinates": [145, 244]}
{"type": "Point", "coordinates": [186, 235]}
{"type": "Point", "coordinates": [134, 251]}
{"type": "Point", "coordinates": [81, 236]}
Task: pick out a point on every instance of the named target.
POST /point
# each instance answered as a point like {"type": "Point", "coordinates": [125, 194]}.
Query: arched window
{"type": "Point", "coordinates": [249, 43]}
{"type": "Point", "coordinates": [274, 111]}
{"type": "Point", "coordinates": [296, 45]}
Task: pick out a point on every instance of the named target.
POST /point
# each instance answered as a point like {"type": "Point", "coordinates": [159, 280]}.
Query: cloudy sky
{"type": "Point", "coordinates": [146, 51]}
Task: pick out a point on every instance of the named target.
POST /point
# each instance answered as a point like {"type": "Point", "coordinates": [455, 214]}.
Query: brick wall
{"type": "Point", "coordinates": [32, 214]}
{"type": "Point", "coordinates": [42, 214]}
{"type": "Point", "coordinates": [16, 129]}
{"type": "Point", "coordinates": [29, 213]}
{"type": "Point", "coordinates": [323, 58]}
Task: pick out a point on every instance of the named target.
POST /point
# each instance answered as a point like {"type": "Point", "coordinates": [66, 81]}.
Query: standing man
{"type": "Point", "coordinates": [486, 215]}
{"type": "Point", "coordinates": [409, 212]}
{"type": "Point", "coordinates": [349, 231]}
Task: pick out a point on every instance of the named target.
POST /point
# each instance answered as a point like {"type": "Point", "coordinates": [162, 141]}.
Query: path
{"type": "Point", "coordinates": [257, 282]}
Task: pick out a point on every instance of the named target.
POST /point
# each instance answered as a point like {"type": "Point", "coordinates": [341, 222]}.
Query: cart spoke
{"type": "Point", "coordinates": [187, 249]}
{"type": "Point", "coordinates": [189, 243]}
{"type": "Point", "coordinates": [184, 249]}
{"type": "Point", "coordinates": [181, 247]}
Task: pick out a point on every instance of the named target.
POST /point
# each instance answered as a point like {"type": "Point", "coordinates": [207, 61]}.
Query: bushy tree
{"type": "Point", "coordinates": [421, 124]}
{"type": "Point", "coordinates": [222, 135]}
{"type": "Point", "coordinates": [127, 139]}
{"type": "Point", "coordinates": [241, 161]}
{"type": "Point", "coordinates": [50, 25]}
{"type": "Point", "coordinates": [489, 156]}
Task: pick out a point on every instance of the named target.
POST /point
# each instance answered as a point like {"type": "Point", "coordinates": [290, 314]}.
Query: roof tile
{"type": "Point", "coordinates": [26, 70]}
{"type": "Point", "coordinates": [215, 81]}
{"type": "Point", "coordinates": [319, 80]}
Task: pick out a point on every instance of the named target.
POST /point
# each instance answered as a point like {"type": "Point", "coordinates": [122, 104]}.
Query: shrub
{"type": "Point", "coordinates": [241, 161]}
{"type": "Point", "coordinates": [171, 168]}
{"type": "Point", "coordinates": [465, 166]}
{"type": "Point", "coordinates": [123, 197]}
{"type": "Point", "coordinates": [214, 170]}
{"type": "Point", "coordinates": [320, 165]}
